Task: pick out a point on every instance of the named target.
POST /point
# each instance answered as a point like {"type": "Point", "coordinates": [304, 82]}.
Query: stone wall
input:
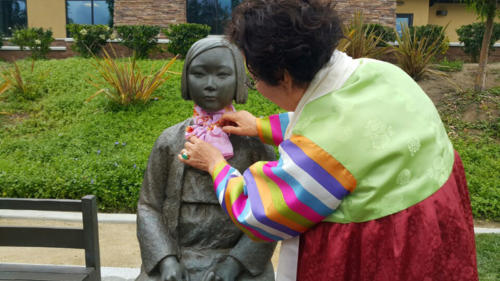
{"type": "Point", "coordinates": [164, 12]}
{"type": "Point", "coordinates": [374, 11]}
{"type": "Point", "coordinates": [149, 12]}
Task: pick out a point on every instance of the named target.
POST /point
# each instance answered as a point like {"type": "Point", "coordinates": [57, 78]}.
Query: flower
{"type": "Point", "coordinates": [124, 143]}
{"type": "Point", "coordinates": [92, 181]}
{"type": "Point", "coordinates": [99, 152]}
{"type": "Point", "coordinates": [102, 37]}
{"type": "Point", "coordinates": [117, 142]}
{"type": "Point", "coordinates": [106, 28]}
{"type": "Point", "coordinates": [83, 32]}
{"type": "Point", "coordinates": [38, 42]}
{"type": "Point", "coordinates": [135, 166]}
{"type": "Point", "coordinates": [112, 37]}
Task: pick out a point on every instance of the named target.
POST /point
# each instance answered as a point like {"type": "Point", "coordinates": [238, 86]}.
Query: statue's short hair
{"type": "Point", "coordinates": [208, 43]}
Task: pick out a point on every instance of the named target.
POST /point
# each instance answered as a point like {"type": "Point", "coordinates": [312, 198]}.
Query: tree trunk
{"type": "Point", "coordinates": [480, 83]}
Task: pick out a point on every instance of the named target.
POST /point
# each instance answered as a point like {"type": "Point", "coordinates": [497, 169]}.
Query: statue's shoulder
{"type": "Point", "coordinates": [173, 135]}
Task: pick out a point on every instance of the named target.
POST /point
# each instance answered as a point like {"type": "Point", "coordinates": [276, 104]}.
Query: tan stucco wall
{"type": "Point", "coordinates": [48, 14]}
{"type": "Point", "coordinates": [419, 9]}
{"type": "Point", "coordinates": [457, 16]}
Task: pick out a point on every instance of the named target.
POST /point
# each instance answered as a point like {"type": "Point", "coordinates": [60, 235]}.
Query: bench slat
{"type": "Point", "coordinates": [64, 205]}
{"type": "Point", "coordinates": [44, 272]}
{"type": "Point", "coordinates": [41, 237]}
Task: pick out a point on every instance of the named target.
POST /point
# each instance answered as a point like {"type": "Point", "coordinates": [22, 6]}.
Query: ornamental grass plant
{"type": "Point", "coordinates": [123, 82]}
{"type": "Point", "coordinates": [362, 40]}
{"type": "Point", "coordinates": [23, 84]}
{"type": "Point", "coordinates": [414, 55]}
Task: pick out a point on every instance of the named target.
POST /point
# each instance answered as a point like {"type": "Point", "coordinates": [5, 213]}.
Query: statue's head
{"type": "Point", "coordinates": [214, 74]}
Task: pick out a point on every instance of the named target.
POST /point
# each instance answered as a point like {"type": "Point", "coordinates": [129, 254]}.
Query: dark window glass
{"type": "Point", "coordinates": [90, 11]}
{"type": "Point", "coordinates": [214, 13]}
{"type": "Point", "coordinates": [403, 19]}
{"type": "Point", "coordinates": [12, 15]}
{"type": "Point", "coordinates": [79, 12]}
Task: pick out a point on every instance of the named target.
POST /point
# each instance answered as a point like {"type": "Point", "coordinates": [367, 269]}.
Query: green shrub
{"type": "Point", "coordinates": [450, 66]}
{"type": "Point", "coordinates": [183, 35]}
{"type": "Point", "coordinates": [433, 33]}
{"type": "Point", "coordinates": [37, 39]}
{"type": "Point", "coordinates": [140, 38]}
{"type": "Point", "coordinates": [89, 39]}
{"type": "Point", "coordinates": [385, 32]}
{"type": "Point", "coordinates": [472, 37]}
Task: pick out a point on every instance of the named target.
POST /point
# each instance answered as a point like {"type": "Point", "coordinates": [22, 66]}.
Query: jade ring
{"type": "Point", "coordinates": [185, 155]}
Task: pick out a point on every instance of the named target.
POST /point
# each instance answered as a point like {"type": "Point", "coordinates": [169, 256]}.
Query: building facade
{"type": "Point", "coordinates": [56, 14]}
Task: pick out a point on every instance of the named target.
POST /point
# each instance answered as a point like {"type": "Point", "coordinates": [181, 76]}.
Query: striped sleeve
{"type": "Point", "coordinates": [272, 128]}
{"type": "Point", "coordinates": [278, 200]}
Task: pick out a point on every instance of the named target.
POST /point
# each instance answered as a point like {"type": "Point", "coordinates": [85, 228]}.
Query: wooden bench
{"type": "Point", "coordinates": [77, 238]}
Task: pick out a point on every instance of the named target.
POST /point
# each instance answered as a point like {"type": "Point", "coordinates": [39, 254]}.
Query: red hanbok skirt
{"type": "Point", "coordinates": [432, 240]}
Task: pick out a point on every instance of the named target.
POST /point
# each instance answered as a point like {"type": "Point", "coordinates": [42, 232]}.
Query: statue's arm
{"type": "Point", "coordinates": [254, 256]}
{"type": "Point", "coordinates": [155, 241]}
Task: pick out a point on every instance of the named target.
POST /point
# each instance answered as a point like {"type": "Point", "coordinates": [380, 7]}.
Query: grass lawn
{"type": "Point", "coordinates": [488, 256]}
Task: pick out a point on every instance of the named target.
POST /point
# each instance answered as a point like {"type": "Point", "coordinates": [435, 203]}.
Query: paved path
{"type": "Point", "coordinates": [120, 256]}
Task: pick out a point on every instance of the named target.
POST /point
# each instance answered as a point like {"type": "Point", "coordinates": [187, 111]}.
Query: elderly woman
{"type": "Point", "coordinates": [183, 233]}
{"type": "Point", "coordinates": [367, 186]}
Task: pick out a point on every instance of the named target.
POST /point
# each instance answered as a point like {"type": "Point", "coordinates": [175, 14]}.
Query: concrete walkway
{"type": "Point", "coordinates": [119, 248]}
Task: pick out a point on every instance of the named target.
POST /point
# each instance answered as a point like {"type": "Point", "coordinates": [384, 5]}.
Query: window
{"type": "Point", "coordinates": [214, 13]}
{"type": "Point", "coordinates": [403, 19]}
{"type": "Point", "coordinates": [12, 15]}
{"type": "Point", "coordinates": [90, 11]}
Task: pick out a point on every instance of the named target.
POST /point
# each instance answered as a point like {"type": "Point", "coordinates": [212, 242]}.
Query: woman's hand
{"type": "Point", "coordinates": [241, 123]}
{"type": "Point", "coordinates": [201, 155]}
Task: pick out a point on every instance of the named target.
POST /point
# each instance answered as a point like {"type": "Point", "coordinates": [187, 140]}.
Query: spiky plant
{"type": "Point", "coordinates": [362, 40]}
{"type": "Point", "coordinates": [13, 79]}
{"type": "Point", "coordinates": [123, 82]}
{"type": "Point", "coordinates": [415, 54]}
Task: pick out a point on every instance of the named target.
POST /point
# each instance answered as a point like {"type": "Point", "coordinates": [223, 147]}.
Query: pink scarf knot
{"type": "Point", "coordinates": [208, 127]}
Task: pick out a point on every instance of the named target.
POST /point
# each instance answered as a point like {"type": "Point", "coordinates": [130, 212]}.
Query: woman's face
{"type": "Point", "coordinates": [212, 79]}
{"type": "Point", "coordinates": [284, 95]}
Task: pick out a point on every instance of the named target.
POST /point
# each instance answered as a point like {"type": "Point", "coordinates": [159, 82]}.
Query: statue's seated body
{"type": "Point", "coordinates": [179, 217]}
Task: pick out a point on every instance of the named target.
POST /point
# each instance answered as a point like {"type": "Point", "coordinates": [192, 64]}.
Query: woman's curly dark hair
{"type": "Point", "coordinates": [297, 36]}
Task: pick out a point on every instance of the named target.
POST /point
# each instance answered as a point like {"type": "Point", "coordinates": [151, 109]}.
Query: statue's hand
{"type": "Point", "coordinates": [172, 270]}
{"type": "Point", "coordinates": [227, 270]}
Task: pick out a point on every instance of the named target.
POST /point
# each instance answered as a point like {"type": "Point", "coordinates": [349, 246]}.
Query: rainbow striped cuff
{"type": "Point", "coordinates": [272, 129]}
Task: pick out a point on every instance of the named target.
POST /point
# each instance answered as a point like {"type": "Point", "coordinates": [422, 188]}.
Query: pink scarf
{"type": "Point", "coordinates": [207, 127]}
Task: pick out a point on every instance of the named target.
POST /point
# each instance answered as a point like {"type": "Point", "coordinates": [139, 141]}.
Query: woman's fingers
{"type": "Point", "coordinates": [240, 123]}
{"type": "Point", "coordinates": [200, 154]}
{"type": "Point", "coordinates": [232, 130]}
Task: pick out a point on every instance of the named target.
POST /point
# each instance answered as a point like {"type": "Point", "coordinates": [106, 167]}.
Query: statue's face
{"type": "Point", "coordinates": [212, 79]}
